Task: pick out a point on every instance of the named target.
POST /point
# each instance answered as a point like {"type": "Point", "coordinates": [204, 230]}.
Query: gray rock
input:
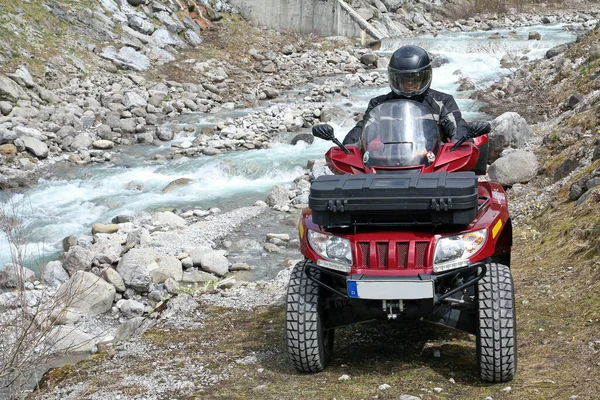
{"type": "Point", "coordinates": [196, 276]}
{"type": "Point", "coordinates": [509, 130]}
{"type": "Point", "coordinates": [192, 38]}
{"type": "Point", "coordinates": [36, 147]}
{"type": "Point", "coordinates": [106, 250]}
{"type": "Point", "coordinates": [86, 294]}
{"type": "Point", "coordinates": [278, 196]}
{"type": "Point", "coordinates": [5, 107]}
{"type": "Point", "coordinates": [131, 308]}
{"type": "Point", "coordinates": [176, 184]}
{"type": "Point", "coordinates": [171, 286]}
{"type": "Point", "coordinates": [10, 90]}
{"type": "Point", "coordinates": [14, 276]}
{"type": "Point", "coordinates": [516, 167]}
{"type": "Point", "coordinates": [305, 137]}
{"type": "Point", "coordinates": [556, 50]}
{"type": "Point", "coordinates": [128, 329]}
{"type": "Point", "coordinates": [139, 24]}
{"type": "Point", "coordinates": [81, 141]}
{"type": "Point", "coordinates": [133, 268]}
{"type": "Point", "coordinates": [182, 304]}
{"type": "Point", "coordinates": [169, 219]}
{"type": "Point", "coordinates": [164, 134]}
{"type": "Point", "coordinates": [78, 259]}
{"type": "Point", "coordinates": [49, 96]}
{"type": "Point", "coordinates": [133, 100]}
{"type": "Point", "coordinates": [53, 274]}
{"type": "Point", "coordinates": [167, 267]}
{"type": "Point", "coordinates": [111, 276]}
{"type": "Point", "coordinates": [163, 38]}
{"type": "Point", "coordinates": [215, 263]}
{"type": "Point", "coordinates": [63, 339]}
{"type": "Point", "coordinates": [103, 144]}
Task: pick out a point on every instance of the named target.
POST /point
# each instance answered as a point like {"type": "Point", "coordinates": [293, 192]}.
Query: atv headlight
{"type": "Point", "coordinates": [330, 247]}
{"type": "Point", "coordinates": [454, 251]}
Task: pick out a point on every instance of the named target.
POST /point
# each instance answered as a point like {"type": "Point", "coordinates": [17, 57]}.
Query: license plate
{"type": "Point", "coordinates": [390, 290]}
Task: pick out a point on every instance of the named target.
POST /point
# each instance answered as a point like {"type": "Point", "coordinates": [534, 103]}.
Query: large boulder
{"type": "Point", "coordinates": [509, 130]}
{"type": "Point", "coordinates": [63, 339]}
{"type": "Point", "coordinates": [516, 167]}
{"type": "Point", "coordinates": [134, 268]}
{"type": "Point", "coordinates": [10, 91]}
{"type": "Point", "coordinates": [78, 259]}
{"type": "Point", "coordinates": [14, 276]}
{"type": "Point", "coordinates": [167, 267]}
{"type": "Point", "coordinates": [278, 196]}
{"type": "Point", "coordinates": [53, 274]}
{"type": "Point", "coordinates": [86, 294]}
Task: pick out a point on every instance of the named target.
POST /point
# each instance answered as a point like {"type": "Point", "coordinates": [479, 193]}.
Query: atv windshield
{"type": "Point", "coordinates": [400, 133]}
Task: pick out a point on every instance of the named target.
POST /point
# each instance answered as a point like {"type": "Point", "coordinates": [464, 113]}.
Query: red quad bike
{"type": "Point", "coordinates": [404, 231]}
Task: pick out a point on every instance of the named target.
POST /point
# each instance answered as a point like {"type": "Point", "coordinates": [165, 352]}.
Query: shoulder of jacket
{"type": "Point", "coordinates": [436, 94]}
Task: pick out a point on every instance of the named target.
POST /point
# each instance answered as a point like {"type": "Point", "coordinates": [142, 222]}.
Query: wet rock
{"type": "Point", "coordinates": [305, 137]}
{"type": "Point", "coordinates": [553, 52]}
{"type": "Point", "coordinates": [176, 184]}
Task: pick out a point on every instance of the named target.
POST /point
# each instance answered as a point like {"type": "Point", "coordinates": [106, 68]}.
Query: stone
{"type": "Point", "coordinates": [86, 294]}
{"type": "Point", "coordinates": [8, 149]}
{"type": "Point", "coordinates": [14, 276]}
{"type": "Point", "coordinates": [103, 144]}
{"type": "Point", "coordinates": [53, 274]}
{"type": "Point", "coordinates": [36, 147]}
{"type": "Point", "coordinates": [104, 228]}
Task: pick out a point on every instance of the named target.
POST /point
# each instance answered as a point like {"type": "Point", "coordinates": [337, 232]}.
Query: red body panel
{"type": "Point", "coordinates": [406, 251]}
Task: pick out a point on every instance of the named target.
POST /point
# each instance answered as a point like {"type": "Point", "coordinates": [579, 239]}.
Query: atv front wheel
{"type": "Point", "coordinates": [496, 332]}
{"type": "Point", "coordinates": [309, 345]}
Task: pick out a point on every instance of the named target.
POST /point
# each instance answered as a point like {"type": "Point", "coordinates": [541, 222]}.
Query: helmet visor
{"type": "Point", "coordinates": [409, 83]}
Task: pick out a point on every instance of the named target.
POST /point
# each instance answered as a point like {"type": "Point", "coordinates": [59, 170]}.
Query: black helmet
{"type": "Point", "coordinates": [408, 66]}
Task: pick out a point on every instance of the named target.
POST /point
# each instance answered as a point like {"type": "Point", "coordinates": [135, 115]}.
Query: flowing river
{"type": "Point", "coordinates": [81, 196]}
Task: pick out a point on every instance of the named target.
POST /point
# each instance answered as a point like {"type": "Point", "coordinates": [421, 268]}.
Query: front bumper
{"type": "Point", "coordinates": [420, 287]}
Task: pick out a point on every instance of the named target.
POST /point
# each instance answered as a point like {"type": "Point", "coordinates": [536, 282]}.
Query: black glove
{"type": "Point", "coordinates": [324, 131]}
{"type": "Point", "coordinates": [478, 128]}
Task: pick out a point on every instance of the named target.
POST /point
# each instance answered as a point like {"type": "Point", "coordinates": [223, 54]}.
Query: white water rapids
{"type": "Point", "coordinates": [82, 196]}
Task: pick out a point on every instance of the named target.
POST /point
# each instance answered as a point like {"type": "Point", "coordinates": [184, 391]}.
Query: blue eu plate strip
{"type": "Point", "coordinates": [352, 289]}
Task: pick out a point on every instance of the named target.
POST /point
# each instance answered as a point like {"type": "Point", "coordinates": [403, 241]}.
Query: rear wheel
{"type": "Point", "coordinates": [496, 333]}
{"type": "Point", "coordinates": [309, 345]}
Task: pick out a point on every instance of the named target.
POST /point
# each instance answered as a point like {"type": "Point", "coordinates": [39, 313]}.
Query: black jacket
{"type": "Point", "coordinates": [442, 105]}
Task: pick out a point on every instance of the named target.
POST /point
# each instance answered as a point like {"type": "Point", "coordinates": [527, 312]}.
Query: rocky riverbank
{"type": "Point", "coordinates": [155, 268]}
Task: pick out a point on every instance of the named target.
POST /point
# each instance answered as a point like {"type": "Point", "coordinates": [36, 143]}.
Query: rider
{"type": "Point", "coordinates": [409, 73]}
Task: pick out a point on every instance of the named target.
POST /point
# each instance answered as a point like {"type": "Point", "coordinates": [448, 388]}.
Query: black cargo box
{"type": "Point", "coordinates": [403, 198]}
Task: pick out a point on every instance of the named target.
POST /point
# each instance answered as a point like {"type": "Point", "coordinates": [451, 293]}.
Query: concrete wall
{"type": "Point", "coordinates": [322, 17]}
